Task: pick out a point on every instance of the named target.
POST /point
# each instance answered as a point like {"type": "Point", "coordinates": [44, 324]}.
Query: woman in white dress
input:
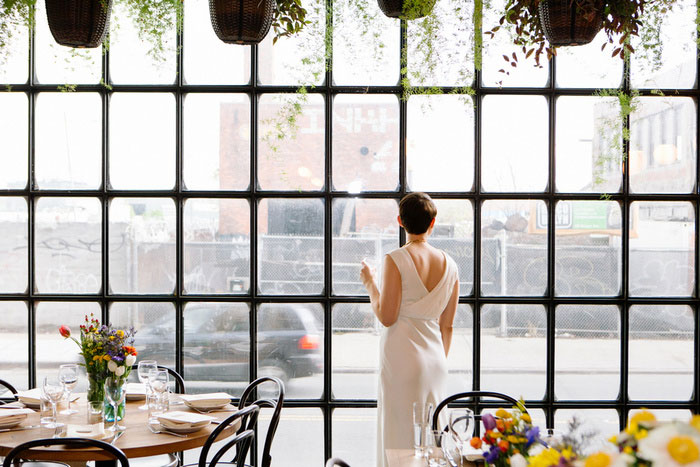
{"type": "Point", "coordinates": [416, 305]}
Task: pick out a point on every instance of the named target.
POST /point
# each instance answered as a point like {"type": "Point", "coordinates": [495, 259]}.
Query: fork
{"type": "Point", "coordinates": [166, 432]}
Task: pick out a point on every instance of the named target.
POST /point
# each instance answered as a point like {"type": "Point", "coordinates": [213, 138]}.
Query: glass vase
{"type": "Point", "coordinates": [109, 409]}
{"type": "Point", "coordinates": [96, 389]}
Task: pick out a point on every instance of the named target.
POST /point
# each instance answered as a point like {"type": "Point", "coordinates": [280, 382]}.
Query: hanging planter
{"type": "Point", "coordinates": [565, 24]}
{"type": "Point", "coordinates": [78, 23]}
{"type": "Point", "coordinates": [241, 21]}
{"type": "Point", "coordinates": [406, 9]}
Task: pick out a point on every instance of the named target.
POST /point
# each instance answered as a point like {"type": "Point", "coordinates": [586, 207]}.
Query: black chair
{"type": "Point", "coordinates": [336, 461]}
{"type": "Point", "coordinates": [179, 380]}
{"type": "Point", "coordinates": [242, 440]}
{"type": "Point", "coordinates": [14, 456]}
{"type": "Point", "coordinates": [9, 387]}
{"type": "Point", "coordinates": [475, 396]}
{"type": "Point", "coordinates": [274, 404]}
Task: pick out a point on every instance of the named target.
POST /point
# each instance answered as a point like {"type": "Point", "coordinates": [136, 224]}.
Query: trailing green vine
{"type": "Point", "coordinates": [15, 15]}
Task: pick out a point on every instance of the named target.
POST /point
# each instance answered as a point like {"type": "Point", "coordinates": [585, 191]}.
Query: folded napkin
{"type": "Point", "coordinates": [472, 454]}
{"type": "Point", "coordinates": [33, 396]}
{"type": "Point", "coordinates": [135, 389]}
{"type": "Point", "coordinates": [14, 414]}
{"type": "Point", "coordinates": [206, 400]}
{"type": "Point", "coordinates": [180, 419]}
{"type": "Point", "coordinates": [96, 431]}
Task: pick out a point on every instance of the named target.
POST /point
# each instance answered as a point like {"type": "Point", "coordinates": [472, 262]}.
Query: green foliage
{"type": "Point", "coordinates": [155, 21]}
{"type": "Point", "coordinates": [67, 87]}
{"type": "Point", "coordinates": [414, 9]}
{"type": "Point", "coordinates": [289, 17]}
{"type": "Point", "coordinates": [14, 15]}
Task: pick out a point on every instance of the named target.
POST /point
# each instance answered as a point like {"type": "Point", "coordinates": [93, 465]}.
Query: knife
{"type": "Point", "coordinates": [20, 428]}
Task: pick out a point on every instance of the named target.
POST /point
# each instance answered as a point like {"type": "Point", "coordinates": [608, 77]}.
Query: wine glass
{"type": "Point", "coordinates": [68, 375]}
{"type": "Point", "coordinates": [158, 379]}
{"type": "Point", "coordinates": [461, 427]}
{"type": "Point", "coordinates": [53, 391]}
{"type": "Point", "coordinates": [144, 370]}
{"type": "Point", "coordinates": [114, 390]}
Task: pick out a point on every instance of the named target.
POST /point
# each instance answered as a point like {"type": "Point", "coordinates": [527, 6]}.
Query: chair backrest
{"type": "Point", "coordinates": [179, 380]}
{"type": "Point", "coordinates": [9, 387]}
{"type": "Point", "coordinates": [475, 396]}
{"type": "Point", "coordinates": [336, 461]}
{"type": "Point", "coordinates": [249, 417]}
{"type": "Point", "coordinates": [117, 453]}
{"type": "Point", "coordinates": [274, 404]}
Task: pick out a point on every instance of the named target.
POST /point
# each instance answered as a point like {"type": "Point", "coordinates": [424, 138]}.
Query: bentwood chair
{"type": "Point", "coordinates": [241, 441]}
{"type": "Point", "coordinates": [9, 388]}
{"type": "Point", "coordinates": [336, 461]}
{"type": "Point", "coordinates": [14, 457]}
{"type": "Point", "coordinates": [475, 396]}
{"type": "Point", "coordinates": [276, 406]}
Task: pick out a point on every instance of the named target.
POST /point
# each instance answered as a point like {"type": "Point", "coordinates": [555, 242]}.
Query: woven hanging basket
{"type": "Point", "coordinates": [406, 9]}
{"type": "Point", "coordinates": [78, 23]}
{"type": "Point", "coordinates": [564, 24]}
{"type": "Point", "coordinates": [241, 21]}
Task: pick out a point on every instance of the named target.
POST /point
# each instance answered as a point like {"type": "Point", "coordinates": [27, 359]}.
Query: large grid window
{"type": "Point", "coordinates": [177, 197]}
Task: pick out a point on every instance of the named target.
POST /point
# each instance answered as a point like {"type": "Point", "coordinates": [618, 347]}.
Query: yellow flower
{"type": "Point", "coordinates": [599, 459]}
{"type": "Point", "coordinates": [106, 358]}
{"type": "Point", "coordinates": [96, 357]}
{"type": "Point", "coordinates": [641, 434]}
{"type": "Point", "coordinates": [513, 439]}
{"type": "Point", "coordinates": [641, 417]}
{"type": "Point", "coordinates": [111, 338]}
{"type": "Point", "coordinates": [683, 450]}
{"type": "Point", "coordinates": [120, 333]}
{"type": "Point", "coordinates": [613, 439]}
{"type": "Point", "coordinates": [695, 422]}
{"type": "Point", "coordinates": [526, 418]}
{"type": "Point", "coordinates": [502, 413]}
{"type": "Point", "coordinates": [567, 452]}
{"type": "Point", "coordinates": [547, 458]}
{"type": "Point", "coordinates": [628, 450]}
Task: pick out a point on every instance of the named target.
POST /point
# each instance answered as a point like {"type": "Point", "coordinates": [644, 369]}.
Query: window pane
{"type": "Point", "coordinates": [587, 352]}
{"type": "Point", "coordinates": [13, 245]}
{"type": "Point", "coordinates": [207, 60]}
{"type": "Point", "coordinates": [586, 66]}
{"type": "Point", "coordinates": [59, 64]}
{"type": "Point", "coordinates": [454, 233]}
{"type": "Point", "coordinates": [131, 58]}
{"type": "Point", "coordinates": [525, 74]}
{"type": "Point", "coordinates": [16, 52]}
{"type": "Point", "coordinates": [663, 145]}
{"type": "Point", "coordinates": [519, 332]}
{"type": "Point", "coordinates": [290, 346]}
{"type": "Point", "coordinates": [605, 423]}
{"type": "Point", "coordinates": [68, 245]}
{"type": "Point", "coordinates": [14, 140]}
{"type": "Point", "coordinates": [514, 149]}
{"type": "Point", "coordinates": [363, 229]}
{"type": "Point", "coordinates": [52, 349]}
{"type": "Point", "coordinates": [365, 143]}
{"type": "Point", "coordinates": [355, 358]}
{"type": "Point", "coordinates": [217, 347]}
{"type": "Point", "coordinates": [290, 246]}
{"type": "Point", "coordinates": [217, 246]}
{"type": "Point", "coordinates": [588, 144]}
{"type": "Point", "coordinates": [365, 44]}
{"type": "Point", "coordinates": [298, 438]}
{"type": "Point", "coordinates": [440, 143]}
{"type": "Point", "coordinates": [661, 352]}
{"type": "Point", "coordinates": [142, 245]}
{"type": "Point", "coordinates": [355, 436]}
{"type": "Point", "coordinates": [662, 239]}
{"type": "Point", "coordinates": [69, 141]}
{"type": "Point", "coordinates": [588, 253]}
{"type": "Point", "coordinates": [514, 247]}
{"type": "Point", "coordinates": [155, 326]}
{"type": "Point", "coordinates": [674, 64]}
{"type": "Point", "coordinates": [440, 46]}
{"type": "Point", "coordinates": [142, 134]}
{"type": "Point", "coordinates": [459, 360]}
{"type": "Point", "coordinates": [291, 155]}
{"type": "Point", "coordinates": [217, 141]}
{"type": "Point", "coordinates": [14, 334]}
{"type": "Point", "coordinates": [296, 59]}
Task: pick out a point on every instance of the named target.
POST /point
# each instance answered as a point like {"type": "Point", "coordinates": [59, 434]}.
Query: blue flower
{"type": "Point", "coordinates": [491, 455]}
{"type": "Point", "coordinates": [532, 435]}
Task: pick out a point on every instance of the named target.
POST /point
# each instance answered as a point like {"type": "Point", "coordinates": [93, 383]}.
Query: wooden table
{"type": "Point", "coordinates": [137, 440]}
{"type": "Point", "coordinates": [405, 458]}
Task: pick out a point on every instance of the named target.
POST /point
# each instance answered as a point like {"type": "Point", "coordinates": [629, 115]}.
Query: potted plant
{"type": "Point", "coordinates": [248, 21]}
{"type": "Point", "coordinates": [542, 25]}
{"type": "Point", "coordinates": [78, 23]}
{"type": "Point", "coordinates": [406, 9]}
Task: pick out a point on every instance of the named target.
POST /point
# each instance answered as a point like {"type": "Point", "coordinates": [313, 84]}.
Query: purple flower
{"type": "Point", "coordinates": [491, 455]}
{"type": "Point", "coordinates": [532, 435]}
{"type": "Point", "coordinates": [488, 421]}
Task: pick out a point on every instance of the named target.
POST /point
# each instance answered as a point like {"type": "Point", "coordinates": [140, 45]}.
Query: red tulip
{"type": "Point", "coordinates": [64, 331]}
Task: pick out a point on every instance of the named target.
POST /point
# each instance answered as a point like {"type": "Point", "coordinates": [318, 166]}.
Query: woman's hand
{"type": "Point", "coordinates": [367, 274]}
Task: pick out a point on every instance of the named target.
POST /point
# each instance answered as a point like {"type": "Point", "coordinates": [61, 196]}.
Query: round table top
{"type": "Point", "coordinates": [137, 440]}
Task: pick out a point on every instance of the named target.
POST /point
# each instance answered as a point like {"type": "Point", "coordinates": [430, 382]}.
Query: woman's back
{"type": "Point", "coordinates": [430, 263]}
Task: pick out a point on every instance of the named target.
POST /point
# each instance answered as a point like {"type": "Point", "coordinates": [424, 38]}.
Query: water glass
{"type": "Point", "coordinates": [158, 404]}
{"type": "Point", "coordinates": [52, 390]}
{"type": "Point", "coordinates": [144, 371]}
{"type": "Point", "coordinates": [47, 417]}
{"type": "Point", "coordinates": [68, 375]}
{"type": "Point", "coordinates": [434, 452]}
{"type": "Point", "coordinates": [421, 425]}
{"type": "Point", "coordinates": [115, 393]}
{"type": "Point", "coordinates": [95, 413]}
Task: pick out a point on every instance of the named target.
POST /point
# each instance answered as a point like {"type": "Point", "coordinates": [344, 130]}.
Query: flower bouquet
{"type": "Point", "coordinates": [106, 352]}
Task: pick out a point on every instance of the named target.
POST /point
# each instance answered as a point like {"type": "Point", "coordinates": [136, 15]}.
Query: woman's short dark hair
{"type": "Point", "coordinates": [417, 211]}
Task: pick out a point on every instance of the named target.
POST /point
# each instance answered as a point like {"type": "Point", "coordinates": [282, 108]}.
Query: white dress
{"type": "Point", "coordinates": [412, 365]}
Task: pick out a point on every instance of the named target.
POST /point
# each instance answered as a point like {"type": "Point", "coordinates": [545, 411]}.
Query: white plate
{"type": "Point", "coordinates": [105, 435]}
{"type": "Point", "coordinates": [183, 430]}
{"type": "Point", "coordinates": [11, 424]}
{"type": "Point", "coordinates": [30, 405]}
{"type": "Point", "coordinates": [206, 407]}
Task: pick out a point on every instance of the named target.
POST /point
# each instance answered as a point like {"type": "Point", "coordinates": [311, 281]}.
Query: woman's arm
{"type": "Point", "coordinates": [447, 318]}
{"type": "Point", "coordinates": [385, 304]}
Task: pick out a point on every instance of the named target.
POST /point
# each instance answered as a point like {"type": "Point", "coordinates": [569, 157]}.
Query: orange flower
{"type": "Point", "coordinates": [130, 350]}
{"type": "Point", "coordinates": [500, 425]}
{"type": "Point", "coordinates": [503, 445]}
{"type": "Point", "coordinates": [475, 443]}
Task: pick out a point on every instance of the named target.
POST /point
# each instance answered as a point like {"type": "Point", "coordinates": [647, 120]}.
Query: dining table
{"type": "Point", "coordinates": [137, 440]}
{"type": "Point", "coordinates": [407, 458]}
